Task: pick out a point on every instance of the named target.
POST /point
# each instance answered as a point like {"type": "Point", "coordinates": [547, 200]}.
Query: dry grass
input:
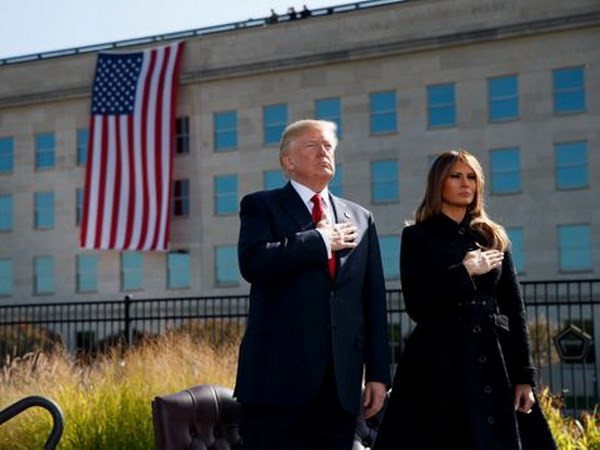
{"type": "Point", "coordinates": [106, 402]}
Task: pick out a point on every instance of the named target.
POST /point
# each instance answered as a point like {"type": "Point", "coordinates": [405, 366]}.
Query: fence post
{"type": "Point", "coordinates": [128, 320]}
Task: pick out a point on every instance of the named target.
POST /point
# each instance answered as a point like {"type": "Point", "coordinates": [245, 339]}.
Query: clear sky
{"type": "Point", "coordinates": [35, 26]}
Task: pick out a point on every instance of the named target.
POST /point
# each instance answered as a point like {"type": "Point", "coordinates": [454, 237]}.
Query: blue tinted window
{"type": "Point", "coordinates": [182, 135]}
{"type": "Point", "coordinates": [330, 109]}
{"type": "Point", "coordinates": [384, 181]}
{"type": "Point", "coordinates": [274, 122]}
{"type": "Point", "coordinates": [336, 184]}
{"type": "Point", "coordinates": [273, 179]}
{"type": "Point", "coordinates": [132, 270]}
{"type": "Point", "coordinates": [44, 150]}
{"type": "Point", "coordinates": [178, 270]}
{"type": "Point", "coordinates": [226, 194]}
{"type": "Point", "coordinates": [6, 277]}
{"type": "Point", "coordinates": [82, 145]}
{"type": "Point", "coordinates": [505, 170]}
{"type": "Point", "coordinates": [43, 272]}
{"type": "Point", "coordinates": [44, 210]}
{"type": "Point", "coordinates": [6, 154]}
{"type": "Point", "coordinates": [441, 105]}
{"type": "Point", "coordinates": [78, 205]}
{"type": "Point", "coordinates": [390, 256]}
{"type": "Point", "coordinates": [383, 112]}
{"type": "Point", "coordinates": [226, 265]}
{"type": "Point", "coordinates": [515, 235]}
{"type": "Point", "coordinates": [6, 212]}
{"type": "Point", "coordinates": [503, 97]}
{"type": "Point", "coordinates": [181, 198]}
{"type": "Point", "coordinates": [226, 133]}
{"type": "Point", "coordinates": [575, 247]}
{"type": "Point", "coordinates": [569, 90]}
{"type": "Point", "coordinates": [571, 165]}
{"type": "Point", "coordinates": [87, 273]}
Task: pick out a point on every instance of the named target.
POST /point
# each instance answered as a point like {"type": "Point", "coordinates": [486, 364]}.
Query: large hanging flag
{"type": "Point", "coordinates": [127, 193]}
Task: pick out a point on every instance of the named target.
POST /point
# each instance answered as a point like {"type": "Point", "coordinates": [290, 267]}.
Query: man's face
{"type": "Point", "coordinates": [310, 158]}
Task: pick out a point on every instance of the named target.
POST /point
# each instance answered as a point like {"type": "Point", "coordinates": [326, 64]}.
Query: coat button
{"type": "Point", "coordinates": [491, 420]}
{"type": "Point", "coordinates": [482, 359]}
{"type": "Point", "coordinates": [487, 389]}
{"type": "Point", "coordinates": [461, 230]}
{"type": "Point", "coordinates": [476, 329]}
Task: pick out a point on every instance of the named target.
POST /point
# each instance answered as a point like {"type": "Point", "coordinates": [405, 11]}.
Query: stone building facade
{"type": "Point", "coordinates": [517, 83]}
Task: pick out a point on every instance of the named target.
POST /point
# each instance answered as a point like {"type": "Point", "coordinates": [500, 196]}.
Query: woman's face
{"type": "Point", "coordinates": [460, 186]}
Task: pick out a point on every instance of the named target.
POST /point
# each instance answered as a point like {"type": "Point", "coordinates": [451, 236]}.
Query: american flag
{"type": "Point", "coordinates": [128, 176]}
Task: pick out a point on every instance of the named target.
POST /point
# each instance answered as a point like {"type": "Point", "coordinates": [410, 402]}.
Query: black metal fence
{"type": "Point", "coordinates": [563, 317]}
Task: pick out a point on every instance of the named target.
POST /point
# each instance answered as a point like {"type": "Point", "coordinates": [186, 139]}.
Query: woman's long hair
{"type": "Point", "coordinates": [431, 205]}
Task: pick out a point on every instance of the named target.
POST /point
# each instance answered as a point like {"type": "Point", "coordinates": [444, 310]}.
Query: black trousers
{"type": "Point", "coordinates": [321, 424]}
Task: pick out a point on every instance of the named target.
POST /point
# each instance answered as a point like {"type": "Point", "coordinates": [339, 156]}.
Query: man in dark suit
{"type": "Point", "coordinates": [317, 322]}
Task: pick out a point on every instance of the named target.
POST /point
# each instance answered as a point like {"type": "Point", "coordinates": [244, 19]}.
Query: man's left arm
{"type": "Point", "coordinates": [377, 364]}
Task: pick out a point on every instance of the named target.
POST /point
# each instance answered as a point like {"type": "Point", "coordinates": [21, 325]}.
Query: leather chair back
{"type": "Point", "coordinates": [204, 417]}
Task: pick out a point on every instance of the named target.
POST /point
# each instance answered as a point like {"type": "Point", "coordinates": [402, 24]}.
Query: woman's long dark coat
{"type": "Point", "coordinates": [454, 382]}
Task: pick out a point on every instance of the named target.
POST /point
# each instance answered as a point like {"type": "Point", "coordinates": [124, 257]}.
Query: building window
{"type": "Point", "coordinates": [330, 109]}
{"type": "Point", "coordinates": [44, 150]}
{"type": "Point", "coordinates": [178, 269]}
{"type": "Point", "coordinates": [390, 256]}
{"type": "Point", "coordinates": [182, 135]}
{"type": "Point", "coordinates": [226, 197]}
{"type": "Point", "coordinates": [226, 265]}
{"type": "Point", "coordinates": [82, 145]}
{"type": "Point", "coordinates": [571, 159]}
{"type": "Point", "coordinates": [274, 122]}
{"type": "Point", "coordinates": [441, 105]}
{"type": "Point", "coordinates": [6, 277]}
{"type": "Point", "coordinates": [505, 168]}
{"type": "Point", "coordinates": [515, 234]}
{"type": "Point", "coordinates": [226, 133]}
{"type": "Point", "coordinates": [336, 183]}
{"type": "Point", "coordinates": [132, 271]}
{"type": "Point", "coordinates": [569, 90]}
{"type": "Point", "coordinates": [78, 206]}
{"type": "Point", "coordinates": [574, 247]}
{"type": "Point", "coordinates": [384, 181]}
{"type": "Point", "coordinates": [6, 212]}
{"type": "Point", "coordinates": [44, 210]}
{"type": "Point", "coordinates": [383, 112]}
{"type": "Point", "coordinates": [273, 179]}
{"type": "Point", "coordinates": [6, 154]}
{"type": "Point", "coordinates": [85, 340]}
{"type": "Point", "coordinates": [181, 198]}
{"type": "Point", "coordinates": [87, 273]}
{"type": "Point", "coordinates": [503, 98]}
{"type": "Point", "coordinates": [43, 275]}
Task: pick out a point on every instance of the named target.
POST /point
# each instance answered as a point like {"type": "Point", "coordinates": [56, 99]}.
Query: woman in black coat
{"type": "Point", "coordinates": [465, 379]}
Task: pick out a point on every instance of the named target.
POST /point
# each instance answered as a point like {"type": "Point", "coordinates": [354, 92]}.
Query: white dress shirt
{"type": "Point", "coordinates": [306, 194]}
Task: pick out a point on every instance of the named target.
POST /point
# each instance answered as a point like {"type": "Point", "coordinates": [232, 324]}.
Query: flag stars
{"type": "Point", "coordinates": [115, 83]}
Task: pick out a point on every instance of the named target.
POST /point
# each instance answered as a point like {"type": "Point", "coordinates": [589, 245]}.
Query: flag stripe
{"type": "Point", "coordinates": [160, 117]}
{"type": "Point", "coordinates": [172, 94]}
{"type": "Point", "coordinates": [129, 169]}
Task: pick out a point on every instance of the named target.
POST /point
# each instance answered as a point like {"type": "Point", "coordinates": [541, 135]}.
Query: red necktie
{"type": "Point", "coordinates": [317, 214]}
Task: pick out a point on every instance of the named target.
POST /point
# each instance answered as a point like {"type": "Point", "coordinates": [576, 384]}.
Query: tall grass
{"type": "Point", "coordinates": [571, 433]}
{"type": "Point", "coordinates": [107, 402]}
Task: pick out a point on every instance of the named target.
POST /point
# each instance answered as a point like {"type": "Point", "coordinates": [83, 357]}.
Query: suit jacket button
{"type": "Point", "coordinates": [476, 329]}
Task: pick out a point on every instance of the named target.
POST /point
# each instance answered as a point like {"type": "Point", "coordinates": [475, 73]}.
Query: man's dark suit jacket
{"type": "Point", "coordinates": [299, 317]}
